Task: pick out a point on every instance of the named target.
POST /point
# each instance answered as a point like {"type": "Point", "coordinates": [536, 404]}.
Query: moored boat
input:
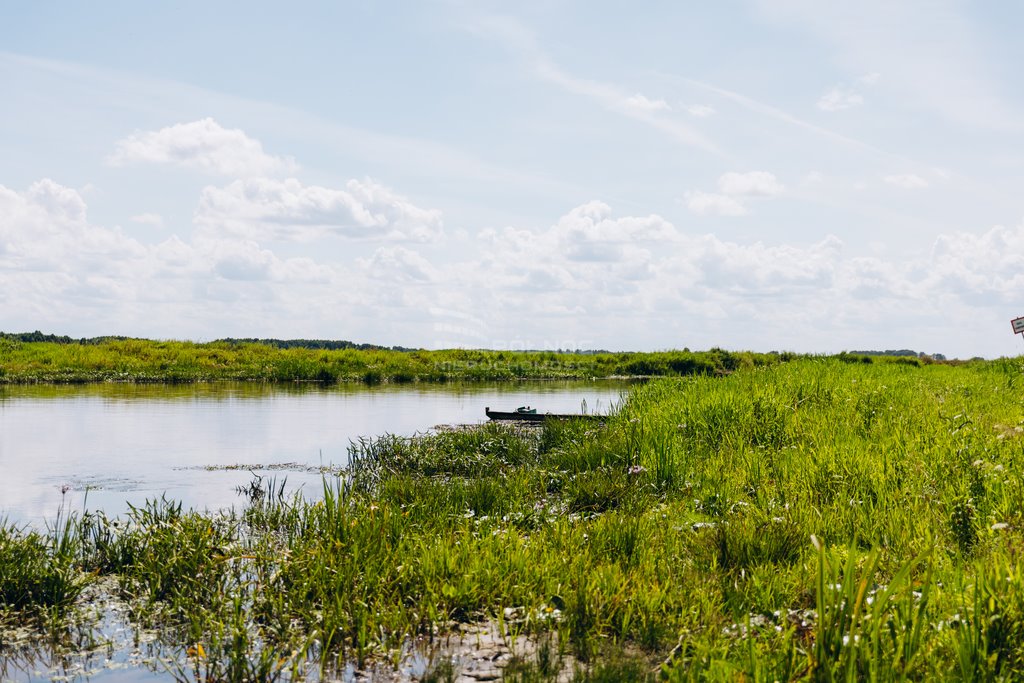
{"type": "Point", "coordinates": [527, 414]}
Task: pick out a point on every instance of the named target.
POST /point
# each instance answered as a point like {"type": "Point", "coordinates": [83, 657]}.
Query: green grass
{"type": "Point", "coordinates": [41, 572]}
{"type": "Point", "coordinates": [816, 520]}
{"type": "Point", "coordinates": [140, 360]}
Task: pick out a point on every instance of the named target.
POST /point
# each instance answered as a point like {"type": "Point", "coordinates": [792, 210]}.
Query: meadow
{"type": "Point", "coordinates": [816, 519]}
{"type": "Point", "coordinates": [142, 360]}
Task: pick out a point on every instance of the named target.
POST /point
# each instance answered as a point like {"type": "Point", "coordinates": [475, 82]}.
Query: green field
{"type": "Point", "coordinates": [813, 519]}
{"type": "Point", "coordinates": [142, 360]}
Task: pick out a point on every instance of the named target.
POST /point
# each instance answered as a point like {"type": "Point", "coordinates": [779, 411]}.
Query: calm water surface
{"type": "Point", "coordinates": [106, 446]}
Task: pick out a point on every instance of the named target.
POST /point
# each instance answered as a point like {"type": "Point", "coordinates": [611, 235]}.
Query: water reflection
{"type": "Point", "coordinates": [108, 445]}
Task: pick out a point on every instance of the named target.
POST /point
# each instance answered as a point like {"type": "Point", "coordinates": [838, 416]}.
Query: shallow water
{"type": "Point", "coordinates": [110, 445]}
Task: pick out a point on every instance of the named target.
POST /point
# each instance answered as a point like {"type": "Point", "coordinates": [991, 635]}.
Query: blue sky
{"type": "Point", "coordinates": [788, 175]}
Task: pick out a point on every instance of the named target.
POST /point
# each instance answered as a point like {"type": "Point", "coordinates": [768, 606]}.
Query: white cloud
{"type": "Point", "coordinates": [762, 269]}
{"type": "Point", "coordinates": [64, 204]}
{"type": "Point", "coordinates": [839, 98]}
{"type": "Point", "coordinates": [62, 272]}
{"type": "Point", "coordinates": [396, 263]}
{"type": "Point", "coordinates": [752, 184]}
{"type": "Point", "coordinates": [46, 228]}
{"type": "Point", "coordinates": [58, 269]}
{"type": "Point", "coordinates": [614, 99]}
{"type": "Point", "coordinates": [706, 203]}
{"type": "Point", "coordinates": [772, 112]}
{"type": "Point", "coordinates": [587, 248]}
{"type": "Point", "coordinates": [593, 222]}
{"type": "Point", "coordinates": [988, 267]}
{"type": "Point", "coordinates": [246, 260]}
{"type": "Point", "coordinates": [643, 103]}
{"type": "Point", "coordinates": [911, 42]}
{"type": "Point", "coordinates": [844, 96]}
{"type": "Point", "coordinates": [734, 191]}
{"type": "Point", "coordinates": [907, 181]}
{"type": "Point", "coordinates": [202, 145]}
{"type": "Point", "coordinates": [268, 209]}
{"type": "Point", "coordinates": [653, 113]}
{"type": "Point", "coordinates": [705, 278]}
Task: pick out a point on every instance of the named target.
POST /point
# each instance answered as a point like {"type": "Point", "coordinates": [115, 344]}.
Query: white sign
{"type": "Point", "coordinates": [1018, 325]}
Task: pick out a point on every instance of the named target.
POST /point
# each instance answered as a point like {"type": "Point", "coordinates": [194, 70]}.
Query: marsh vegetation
{"type": "Point", "coordinates": [811, 520]}
{"type": "Point", "coordinates": [140, 360]}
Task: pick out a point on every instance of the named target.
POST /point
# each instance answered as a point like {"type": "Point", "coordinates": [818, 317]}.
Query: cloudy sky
{"type": "Point", "coordinates": [764, 174]}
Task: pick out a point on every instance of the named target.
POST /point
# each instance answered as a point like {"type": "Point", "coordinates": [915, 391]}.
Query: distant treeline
{"type": "Point", "coordinates": [888, 352]}
{"type": "Point", "coordinates": [316, 344]}
{"type": "Point", "coordinates": [38, 336]}
{"type": "Point", "coordinates": [900, 352]}
{"type": "Point", "coordinates": [326, 344]}
{"type": "Point", "coordinates": [341, 344]}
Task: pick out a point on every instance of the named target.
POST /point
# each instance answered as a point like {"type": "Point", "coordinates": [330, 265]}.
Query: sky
{"type": "Point", "coordinates": [789, 175]}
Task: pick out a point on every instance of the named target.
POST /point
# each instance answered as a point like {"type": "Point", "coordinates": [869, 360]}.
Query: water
{"type": "Point", "coordinates": [107, 446]}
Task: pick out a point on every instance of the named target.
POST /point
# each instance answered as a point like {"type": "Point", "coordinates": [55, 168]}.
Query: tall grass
{"type": "Point", "coordinates": [140, 360]}
{"type": "Point", "coordinates": [814, 519]}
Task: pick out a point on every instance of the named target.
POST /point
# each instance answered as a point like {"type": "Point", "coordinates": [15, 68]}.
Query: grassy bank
{"type": "Point", "coordinates": [814, 520]}
{"type": "Point", "coordinates": [138, 360]}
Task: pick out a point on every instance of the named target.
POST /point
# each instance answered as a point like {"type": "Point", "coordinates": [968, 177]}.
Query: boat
{"type": "Point", "coordinates": [527, 414]}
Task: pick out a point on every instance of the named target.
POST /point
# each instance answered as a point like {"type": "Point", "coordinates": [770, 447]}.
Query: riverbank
{"type": "Point", "coordinates": [806, 520]}
{"type": "Point", "coordinates": [139, 360]}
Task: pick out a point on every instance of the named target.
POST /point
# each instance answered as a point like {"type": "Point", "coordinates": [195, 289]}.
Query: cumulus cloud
{"type": "Point", "coordinates": [46, 228]}
{"type": "Point", "coordinates": [589, 266]}
{"type": "Point", "coordinates": [64, 204]}
{"type": "Point", "coordinates": [59, 269]}
{"type": "Point", "coordinates": [907, 181]}
{"type": "Point", "coordinates": [396, 263]}
{"type": "Point", "coordinates": [541, 272]}
{"type": "Point", "coordinates": [586, 249]}
{"type": "Point", "coordinates": [734, 189]}
{"type": "Point", "coordinates": [593, 222]}
{"type": "Point", "coordinates": [287, 210]}
{"type": "Point", "coordinates": [760, 269]}
{"type": "Point", "coordinates": [246, 260]}
{"type": "Point", "coordinates": [202, 145]}
{"type": "Point", "coordinates": [989, 266]}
